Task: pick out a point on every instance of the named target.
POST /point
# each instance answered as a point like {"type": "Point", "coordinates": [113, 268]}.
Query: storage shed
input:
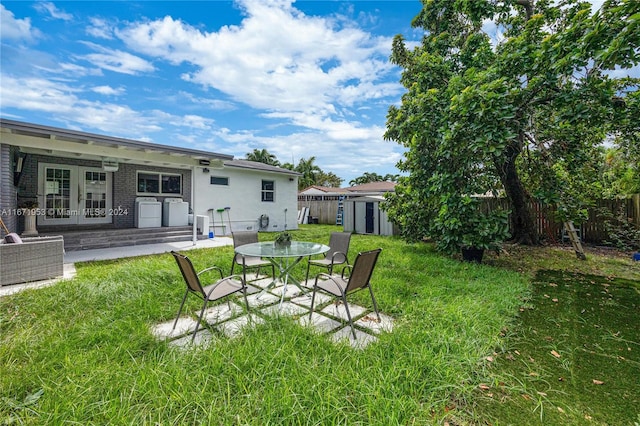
{"type": "Point", "coordinates": [363, 215]}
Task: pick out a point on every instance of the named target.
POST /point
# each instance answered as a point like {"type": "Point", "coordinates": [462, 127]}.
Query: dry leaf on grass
{"type": "Point", "coordinates": [556, 354]}
{"type": "Point", "coordinates": [598, 382]}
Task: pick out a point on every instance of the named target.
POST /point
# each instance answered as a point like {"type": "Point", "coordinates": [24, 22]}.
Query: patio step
{"type": "Point", "coordinates": [113, 238]}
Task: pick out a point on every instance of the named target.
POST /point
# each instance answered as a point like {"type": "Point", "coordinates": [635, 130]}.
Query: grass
{"type": "Point", "coordinates": [81, 351]}
{"type": "Point", "coordinates": [573, 357]}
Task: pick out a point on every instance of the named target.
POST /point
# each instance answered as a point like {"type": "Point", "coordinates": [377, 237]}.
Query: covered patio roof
{"type": "Point", "coordinates": [58, 142]}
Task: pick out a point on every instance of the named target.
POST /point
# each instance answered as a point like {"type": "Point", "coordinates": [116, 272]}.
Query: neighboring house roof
{"type": "Point", "coordinates": [254, 165]}
{"type": "Point", "coordinates": [322, 190]}
{"type": "Point", "coordinates": [373, 187]}
{"type": "Point", "coordinates": [48, 140]}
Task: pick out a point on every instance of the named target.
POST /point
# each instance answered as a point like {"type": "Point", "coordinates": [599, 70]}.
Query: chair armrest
{"type": "Point", "coordinates": [211, 268]}
{"type": "Point", "coordinates": [333, 257]}
{"type": "Point", "coordinates": [347, 269]}
{"type": "Point", "coordinates": [327, 277]}
{"type": "Point", "coordinates": [234, 277]}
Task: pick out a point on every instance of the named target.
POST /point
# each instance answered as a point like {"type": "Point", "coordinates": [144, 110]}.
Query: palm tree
{"type": "Point", "coordinates": [262, 156]}
{"type": "Point", "coordinates": [309, 172]}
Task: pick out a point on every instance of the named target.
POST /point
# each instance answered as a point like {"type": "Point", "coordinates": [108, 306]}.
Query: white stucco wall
{"type": "Point", "coordinates": [243, 196]}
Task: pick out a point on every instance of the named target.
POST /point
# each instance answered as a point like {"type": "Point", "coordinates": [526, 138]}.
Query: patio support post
{"type": "Point", "coordinates": [194, 226]}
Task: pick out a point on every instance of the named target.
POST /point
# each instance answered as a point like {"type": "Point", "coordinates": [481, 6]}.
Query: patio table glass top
{"type": "Point", "coordinates": [269, 250]}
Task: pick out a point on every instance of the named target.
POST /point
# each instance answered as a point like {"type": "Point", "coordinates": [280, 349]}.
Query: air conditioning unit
{"type": "Point", "coordinates": [109, 165]}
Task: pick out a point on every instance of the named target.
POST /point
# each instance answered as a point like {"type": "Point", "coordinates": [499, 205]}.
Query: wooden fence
{"type": "Point", "coordinates": [593, 230]}
{"type": "Point", "coordinates": [324, 210]}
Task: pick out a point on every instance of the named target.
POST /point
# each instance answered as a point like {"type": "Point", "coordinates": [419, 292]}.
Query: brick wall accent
{"type": "Point", "coordinates": [7, 189]}
{"type": "Point", "coordinates": [124, 183]}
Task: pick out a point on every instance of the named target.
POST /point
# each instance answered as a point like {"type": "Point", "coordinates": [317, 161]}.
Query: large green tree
{"type": "Point", "coordinates": [520, 112]}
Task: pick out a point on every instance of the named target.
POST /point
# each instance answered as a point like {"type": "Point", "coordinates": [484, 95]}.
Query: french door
{"type": "Point", "coordinates": [70, 195]}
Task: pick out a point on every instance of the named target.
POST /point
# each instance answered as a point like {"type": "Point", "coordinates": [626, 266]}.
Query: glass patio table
{"type": "Point", "coordinates": [283, 258]}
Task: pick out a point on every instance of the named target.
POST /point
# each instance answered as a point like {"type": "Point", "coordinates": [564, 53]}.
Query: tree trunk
{"type": "Point", "coordinates": [522, 224]}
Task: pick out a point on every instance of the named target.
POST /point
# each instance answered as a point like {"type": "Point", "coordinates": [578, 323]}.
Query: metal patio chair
{"type": "Point", "coordinates": [352, 279]}
{"type": "Point", "coordinates": [241, 238]}
{"type": "Point", "coordinates": [337, 254]}
{"type": "Point", "coordinates": [225, 286]}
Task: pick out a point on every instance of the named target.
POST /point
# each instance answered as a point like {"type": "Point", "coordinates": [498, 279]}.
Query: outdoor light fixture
{"type": "Point", "coordinates": [205, 170]}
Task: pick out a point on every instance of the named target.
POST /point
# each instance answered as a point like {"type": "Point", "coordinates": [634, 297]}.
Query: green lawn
{"type": "Point", "coordinates": [82, 352]}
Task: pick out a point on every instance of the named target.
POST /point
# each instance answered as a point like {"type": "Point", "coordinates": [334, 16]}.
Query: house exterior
{"type": "Point", "coordinates": [82, 180]}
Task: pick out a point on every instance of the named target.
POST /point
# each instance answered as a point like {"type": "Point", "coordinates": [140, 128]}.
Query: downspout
{"type": "Point", "coordinates": [194, 226]}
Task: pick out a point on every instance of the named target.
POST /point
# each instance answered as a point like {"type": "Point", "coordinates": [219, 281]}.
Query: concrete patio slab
{"type": "Point", "coordinates": [337, 310]}
{"type": "Point", "coordinates": [362, 339]}
{"type": "Point", "coordinates": [204, 338]}
{"type": "Point", "coordinates": [370, 321]}
{"type": "Point", "coordinates": [320, 323]}
{"type": "Point", "coordinates": [234, 327]}
{"type": "Point", "coordinates": [221, 312]}
{"type": "Point", "coordinates": [305, 300]}
{"type": "Point", "coordinates": [165, 330]}
{"type": "Point", "coordinates": [287, 308]}
{"type": "Point", "coordinates": [257, 300]}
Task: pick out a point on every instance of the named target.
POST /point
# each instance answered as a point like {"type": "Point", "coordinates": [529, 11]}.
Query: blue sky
{"type": "Point", "coordinates": [300, 79]}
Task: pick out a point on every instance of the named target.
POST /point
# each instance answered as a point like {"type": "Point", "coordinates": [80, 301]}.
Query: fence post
{"type": "Point", "coordinates": [635, 201]}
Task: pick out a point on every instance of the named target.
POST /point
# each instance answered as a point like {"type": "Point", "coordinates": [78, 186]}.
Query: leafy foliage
{"type": "Point", "coordinates": [521, 114]}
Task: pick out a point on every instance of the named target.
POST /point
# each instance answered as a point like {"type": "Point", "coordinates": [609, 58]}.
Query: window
{"type": "Point", "coordinates": [159, 183]}
{"type": "Point", "coordinates": [268, 190]}
{"type": "Point", "coordinates": [218, 180]}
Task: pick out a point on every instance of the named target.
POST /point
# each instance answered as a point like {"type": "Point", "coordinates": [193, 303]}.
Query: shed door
{"type": "Point", "coordinates": [369, 218]}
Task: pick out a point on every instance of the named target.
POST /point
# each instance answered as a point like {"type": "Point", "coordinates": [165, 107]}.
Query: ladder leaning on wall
{"type": "Point", "coordinates": [340, 211]}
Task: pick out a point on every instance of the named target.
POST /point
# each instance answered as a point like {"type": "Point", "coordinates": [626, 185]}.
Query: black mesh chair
{"type": "Point", "coordinates": [225, 286]}
{"type": "Point", "coordinates": [248, 237]}
{"type": "Point", "coordinates": [352, 279]}
{"type": "Point", "coordinates": [337, 254]}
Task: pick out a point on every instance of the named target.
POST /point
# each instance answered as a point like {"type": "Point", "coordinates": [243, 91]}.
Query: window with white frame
{"type": "Point", "coordinates": [159, 183]}
{"type": "Point", "coordinates": [268, 191]}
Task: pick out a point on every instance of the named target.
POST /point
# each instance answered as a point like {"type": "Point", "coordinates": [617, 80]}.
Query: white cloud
{"type": "Point", "coordinates": [298, 63]}
{"type": "Point", "coordinates": [117, 60]}
{"type": "Point", "coordinates": [108, 90]}
{"type": "Point", "coordinates": [100, 28]}
{"type": "Point", "coordinates": [15, 29]}
{"type": "Point", "coordinates": [66, 104]}
{"type": "Point", "coordinates": [52, 10]}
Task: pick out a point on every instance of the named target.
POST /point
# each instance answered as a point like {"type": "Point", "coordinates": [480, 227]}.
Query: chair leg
{"type": "Point", "coordinates": [204, 305]}
{"type": "Point", "coordinates": [313, 298]}
{"type": "Point", "coordinates": [180, 310]}
{"type": "Point", "coordinates": [246, 301]}
{"type": "Point", "coordinates": [308, 267]}
{"type": "Point", "coordinates": [375, 305]}
{"type": "Point", "coordinates": [346, 307]}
